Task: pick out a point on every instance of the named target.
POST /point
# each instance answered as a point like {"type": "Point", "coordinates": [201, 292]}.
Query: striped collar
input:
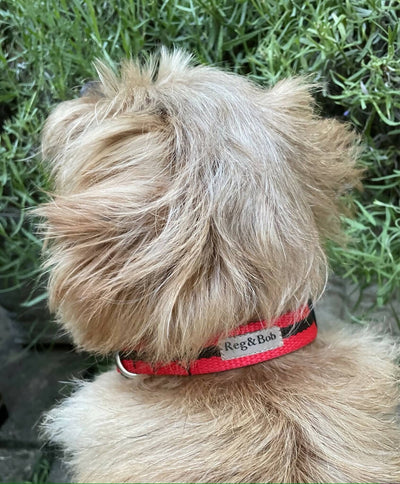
{"type": "Point", "coordinates": [246, 345]}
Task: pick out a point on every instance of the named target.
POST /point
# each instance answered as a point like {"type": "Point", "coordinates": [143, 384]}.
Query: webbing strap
{"type": "Point", "coordinates": [246, 345]}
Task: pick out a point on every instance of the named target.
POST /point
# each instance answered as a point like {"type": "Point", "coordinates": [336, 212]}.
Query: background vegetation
{"type": "Point", "coordinates": [351, 46]}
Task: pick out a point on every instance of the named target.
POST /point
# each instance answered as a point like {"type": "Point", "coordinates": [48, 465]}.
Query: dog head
{"type": "Point", "coordinates": [187, 201]}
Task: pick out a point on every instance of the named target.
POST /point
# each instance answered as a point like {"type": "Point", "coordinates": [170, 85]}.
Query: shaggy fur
{"type": "Point", "coordinates": [189, 201]}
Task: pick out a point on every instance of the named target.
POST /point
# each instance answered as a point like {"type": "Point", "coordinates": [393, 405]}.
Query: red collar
{"type": "Point", "coordinates": [246, 345]}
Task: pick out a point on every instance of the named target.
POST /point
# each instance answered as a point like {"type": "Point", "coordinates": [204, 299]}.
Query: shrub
{"type": "Point", "coordinates": [351, 47]}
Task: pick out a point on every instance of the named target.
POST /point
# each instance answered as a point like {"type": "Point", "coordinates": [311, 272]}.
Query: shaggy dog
{"type": "Point", "coordinates": [190, 210]}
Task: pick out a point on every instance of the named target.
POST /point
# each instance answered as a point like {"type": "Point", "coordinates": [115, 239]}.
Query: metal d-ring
{"type": "Point", "coordinates": [121, 368]}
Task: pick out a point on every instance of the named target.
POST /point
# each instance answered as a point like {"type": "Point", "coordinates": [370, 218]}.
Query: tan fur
{"type": "Point", "coordinates": [323, 414]}
{"type": "Point", "coordinates": [189, 201]}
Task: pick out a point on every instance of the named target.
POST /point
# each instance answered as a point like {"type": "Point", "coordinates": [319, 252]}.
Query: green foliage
{"type": "Point", "coordinates": [351, 47]}
{"type": "Point", "coordinates": [41, 470]}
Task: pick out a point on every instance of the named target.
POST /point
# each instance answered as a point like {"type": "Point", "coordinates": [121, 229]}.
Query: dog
{"type": "Point", "coordinates": [186, 234]}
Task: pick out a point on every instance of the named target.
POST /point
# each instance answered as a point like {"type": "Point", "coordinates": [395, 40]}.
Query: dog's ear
{"type": "Point", "coordinates": [321, 152]}
{"type": "Point", "coordinates": [188, 202]}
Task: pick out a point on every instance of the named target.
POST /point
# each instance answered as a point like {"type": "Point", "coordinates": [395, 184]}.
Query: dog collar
{"type": "Point", "coordinates": [246, 345]}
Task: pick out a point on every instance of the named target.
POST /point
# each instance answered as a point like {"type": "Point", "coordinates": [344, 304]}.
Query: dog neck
{"type": "Point", "coordinates": [246, 345]}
